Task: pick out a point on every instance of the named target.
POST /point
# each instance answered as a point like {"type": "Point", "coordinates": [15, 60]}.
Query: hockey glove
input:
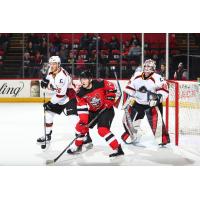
{"type": "Point", "coordinates": [110, 100]}
{"type": "Point", "coordinates": [82, 128]}
{"type": "Point", "coordinates": [44, 83]}
{"type": "Point", "coordinates": [48, 105]}
{"type": "Point", "coordinates": [155, 101]}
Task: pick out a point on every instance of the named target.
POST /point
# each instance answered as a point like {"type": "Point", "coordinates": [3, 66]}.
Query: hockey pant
{"type": "Point", "coordinates": [103, 125]}
{"type": "Point", "coordinates": [70, 107]}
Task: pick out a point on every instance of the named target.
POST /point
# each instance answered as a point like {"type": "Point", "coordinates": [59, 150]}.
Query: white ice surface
{"type": "Point", "coordinates": [22, 123]}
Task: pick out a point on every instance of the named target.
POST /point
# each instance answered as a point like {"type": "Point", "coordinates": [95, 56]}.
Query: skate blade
{"type": "Point", "coordinates": [42, 143]}
{"type": "Point", "coordinates": [117, 158]}
{"type": "Point", "coordinates": [88, 146]}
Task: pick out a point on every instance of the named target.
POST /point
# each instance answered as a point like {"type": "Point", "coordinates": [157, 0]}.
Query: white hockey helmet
{"type": "Point", "coordinates": [55, 59]}
{"type": "Point", "coordinates": [149, 66]}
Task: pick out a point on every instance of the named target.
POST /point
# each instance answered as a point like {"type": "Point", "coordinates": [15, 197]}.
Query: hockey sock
{"type": "Point", "coordinates": [49, 121]}
{"type": "Point", "coordinates": [109, 137]}
{"type": "Point", "coordinates": [80, 139]}
{"type": "Point", "coordinates": [49, 127]}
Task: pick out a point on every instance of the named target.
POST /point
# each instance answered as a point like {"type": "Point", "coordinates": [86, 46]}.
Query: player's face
{"type": "Point", "coordinates": [147, 70]}
{"type": "Point", "coordinates": [86, 83]}
{"type": "Point", "coordinates": [54, 67]}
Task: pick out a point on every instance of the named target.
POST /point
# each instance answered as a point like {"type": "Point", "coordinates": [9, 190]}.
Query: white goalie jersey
{"type": "Point", "coordinates": [139, 86]}
{"type": "Point", "coordinates": [59, 84]}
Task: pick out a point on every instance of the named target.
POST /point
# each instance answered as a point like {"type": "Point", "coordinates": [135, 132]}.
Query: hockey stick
{"type": "Point", "coordinates": [43, 146]}
{"type": "Point", "coordinates": [91, 122]}
{"type": "Point", "coordinates": [119, 87]}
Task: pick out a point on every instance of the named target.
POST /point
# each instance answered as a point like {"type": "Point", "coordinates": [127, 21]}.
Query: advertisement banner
{"type": "Point", "coordinates": [15, 88]}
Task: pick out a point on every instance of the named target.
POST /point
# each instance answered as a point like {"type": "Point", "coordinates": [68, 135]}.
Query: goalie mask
{"type": "Point", "coordinates": [149, 66]}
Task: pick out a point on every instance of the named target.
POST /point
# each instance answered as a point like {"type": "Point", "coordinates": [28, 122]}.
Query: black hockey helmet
{"type": "Point", "coordinates": [85, 74]}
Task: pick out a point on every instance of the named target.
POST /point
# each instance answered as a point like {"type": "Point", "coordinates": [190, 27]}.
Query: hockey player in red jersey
{"type": "Point", "coordinates": [95, 95]}
{"type": "Point", "coordinates": [60, 82]}
{"type": "Point", "coordinates": [145, 91]}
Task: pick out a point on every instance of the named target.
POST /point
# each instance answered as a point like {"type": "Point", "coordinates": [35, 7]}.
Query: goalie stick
{"type": "Point", "coordinates": [54, 160]}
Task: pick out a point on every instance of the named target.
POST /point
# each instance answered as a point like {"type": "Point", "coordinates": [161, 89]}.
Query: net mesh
{"type": "Point", "coordinates": [188, 108]}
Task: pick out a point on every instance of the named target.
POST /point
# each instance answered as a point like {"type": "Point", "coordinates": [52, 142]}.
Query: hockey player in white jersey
{"type": "Point", "coordinates": [144, 95]}
{"type": "Point", "coordinates": [58, 80]}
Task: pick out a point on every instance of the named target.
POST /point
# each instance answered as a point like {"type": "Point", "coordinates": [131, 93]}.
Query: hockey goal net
{"type": "Point", "coordinates": [183, 109]}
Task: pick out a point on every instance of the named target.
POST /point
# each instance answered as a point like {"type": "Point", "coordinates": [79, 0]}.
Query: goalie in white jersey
{"type": "Point", "coordinates": [144, 95]}
{"type": "Point", "coordinates": [59, 81]}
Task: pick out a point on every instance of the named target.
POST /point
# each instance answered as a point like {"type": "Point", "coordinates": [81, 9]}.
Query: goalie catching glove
{"type": "Point", "coordinates": [154, 99]}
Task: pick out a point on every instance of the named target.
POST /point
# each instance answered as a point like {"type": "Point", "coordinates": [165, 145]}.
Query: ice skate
{"type": "Point", "coordinates": [164, 144]}
{"type": "Point", "coordinates": [41, 140]}
{"type": "Point", "coordinates": [87, 143]}
{"type": "Point", "coordinates": [74, 149]}
{"type": "Point", "coordinates": [119, 152]}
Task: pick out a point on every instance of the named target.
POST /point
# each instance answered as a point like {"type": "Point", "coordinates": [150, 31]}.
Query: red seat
{"type": "Point", "coordinates": [155, 52]}
{"type": "Point", "coordinates": [124, 63]}
{"type": "Point", "coordinates": [113, 63]}
{"type": "Point", "coordinates": [76, 43]}
{"type": "Point", "coordinates": [104, 51]}
{"type": "Point", "coordinates": [163, 52]}
{"type": "Point", "coordinates": [66, 41]}
{"type": "Point", "coordinates": [174, 52]}
{"type": "Point", "coordinates": [104, 54]}
{"type": "Point", "coordinates": [83, 52]}
{"type": "Point", "coordinates": [115, 51]}
{"type": "Point", "coordinates": [116, 54]}
{"type": "Point", "coordinates": [155, 45]}
{"type": "Point", "coordinates": [147, 52]}
{"type": "Point", "coordinates": [133, 63]}
{"type": "Point", "coordinates": [1, 52]}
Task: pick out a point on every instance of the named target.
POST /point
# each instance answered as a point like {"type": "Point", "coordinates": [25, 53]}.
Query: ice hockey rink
{"type": "Point", "coordinates": [22, 124]}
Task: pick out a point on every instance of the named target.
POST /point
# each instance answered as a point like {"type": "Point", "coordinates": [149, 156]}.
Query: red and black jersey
{"type": "Point", "coordinates": [95, 98]}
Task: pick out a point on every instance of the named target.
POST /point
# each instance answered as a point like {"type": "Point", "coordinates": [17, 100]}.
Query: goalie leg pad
{"type": "Point", "coordinates": [127, 138]}
{"type": "Point", "coordinates": [157, 125]}
{"type": "Point", "coordinates": [131, 126]}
